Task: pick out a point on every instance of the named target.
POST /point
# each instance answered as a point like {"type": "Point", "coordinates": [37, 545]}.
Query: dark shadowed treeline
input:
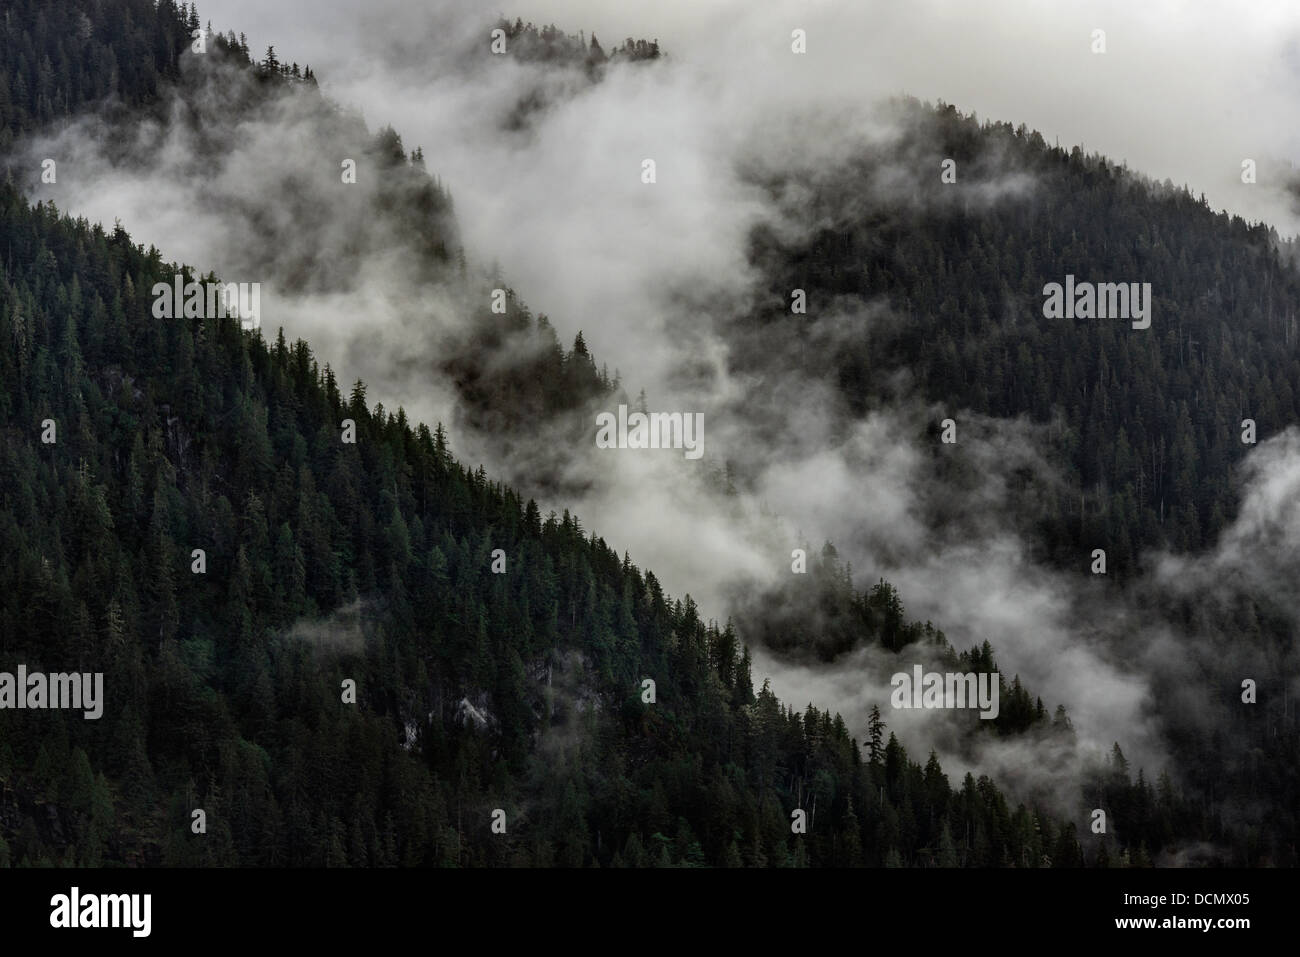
{"type": "Point", "coordinates": [326, 562]}
{"type": "Point", "coordinates": [1147, 421]}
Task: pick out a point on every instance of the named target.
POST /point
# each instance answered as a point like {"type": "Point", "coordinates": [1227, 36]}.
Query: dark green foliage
{"type": "Point", "coordinates": [583, 62]}
{"type": "Point", "coordinates": [58, 55]}
{"type": "Point", "coordinates": [1146, 423]}
{"type": "Point", "coordinates": [550, 44]}
{"type": "Point", "coordinates": [371, 562]}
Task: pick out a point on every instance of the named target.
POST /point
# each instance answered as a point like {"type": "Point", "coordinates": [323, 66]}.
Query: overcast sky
{"type": "Point", "coordinates": [1185, 90]}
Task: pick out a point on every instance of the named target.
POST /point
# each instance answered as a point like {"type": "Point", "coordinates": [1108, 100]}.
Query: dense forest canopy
{"type": "Point", "coordinates": [325, 561]}
{"type": "Point", "coordinates": [1148, 422]}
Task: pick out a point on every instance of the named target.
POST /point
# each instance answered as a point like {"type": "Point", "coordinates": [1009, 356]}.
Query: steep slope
{"type": "Point", "coordinates": [326, 561]}
{"type": "Point", "coordinates": [1147, 422]}
{"type": "Point", "coordinates": [373, 562]}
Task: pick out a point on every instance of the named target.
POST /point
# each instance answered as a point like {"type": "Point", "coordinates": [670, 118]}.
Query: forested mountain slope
{"type": "Point", "coordinates": [1148, 422]}
{"type": "Point", "coordinates": [327, 561]}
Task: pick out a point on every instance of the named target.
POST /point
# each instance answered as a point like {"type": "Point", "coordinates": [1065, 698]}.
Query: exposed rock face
{"type": "Point", "coordinates": [467, 714]}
